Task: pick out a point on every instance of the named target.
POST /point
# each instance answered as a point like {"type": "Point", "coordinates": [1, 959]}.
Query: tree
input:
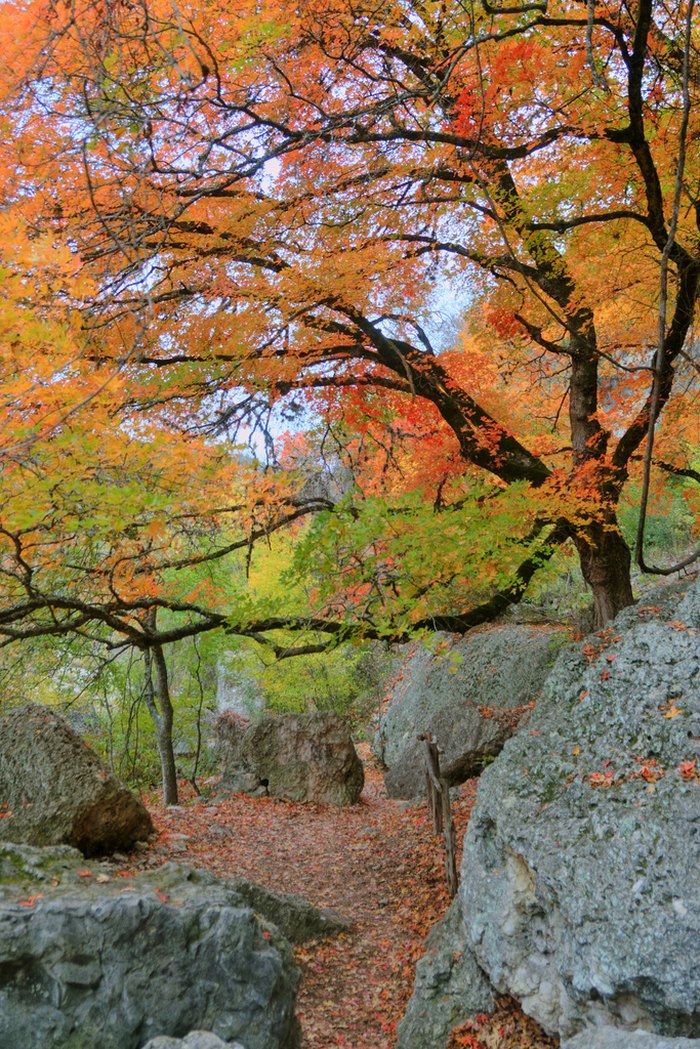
{"type": "Point", "coordinates": [286, 191]}
{"type": "Point", "coordinates": [111, 531]}
{"type": "Point", "coordinates": [124, 559]}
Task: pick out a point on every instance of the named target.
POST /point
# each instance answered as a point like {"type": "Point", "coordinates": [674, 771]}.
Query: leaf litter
{"type": "Point", "coordinates": [378, 864]}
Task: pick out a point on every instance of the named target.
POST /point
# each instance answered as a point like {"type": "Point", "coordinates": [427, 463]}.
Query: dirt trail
{"type": "Point", "coordinates": [377, 864]}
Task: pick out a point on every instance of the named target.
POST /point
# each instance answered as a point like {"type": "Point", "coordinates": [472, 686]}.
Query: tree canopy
{"type": "Point", "coordinates": [269, 209]}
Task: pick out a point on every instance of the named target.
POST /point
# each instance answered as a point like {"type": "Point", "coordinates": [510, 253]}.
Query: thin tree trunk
{"type": "Point", "coordinates": [160, 707]}
{"type": "Point", "coordinates": [165, 730]}
{"type": "Point", "coordinates": [200, 706]}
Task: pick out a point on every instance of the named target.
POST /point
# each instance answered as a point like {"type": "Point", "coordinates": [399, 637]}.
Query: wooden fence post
{"type": "Point", "coordinates": [439, 805]}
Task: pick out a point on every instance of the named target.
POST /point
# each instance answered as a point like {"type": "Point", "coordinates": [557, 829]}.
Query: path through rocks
{"type": "Point", "coordinates": [376, 863]}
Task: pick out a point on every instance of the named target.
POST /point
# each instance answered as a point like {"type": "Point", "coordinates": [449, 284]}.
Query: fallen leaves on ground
{"type": "Point", "coordinates": [506, 1028]}
{"type": "Point", "coordinates": [378, 864]}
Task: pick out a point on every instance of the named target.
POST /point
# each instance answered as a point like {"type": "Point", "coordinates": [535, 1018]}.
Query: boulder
{"type": "Point", "coordinates": [449, 988]}
{"type": "Point", "coordinates": [614, 1038]}
{"type": "Point", "coordinates": [301, 757]}
{"type": "Point", "coordinates": [471, 694]}
{"type": "Point", "coordinates": [297, 919]}
{"type": "Point", "coordinates": [89, 959]}
{"type": "Point", "coordinates": [227, 731]}
{"type": "Point", "coordinates": [194, 1040]}
{"type": "Point", "coordinates": [55, 790]}
{"type": "Point", "coordinates": [579, 893]}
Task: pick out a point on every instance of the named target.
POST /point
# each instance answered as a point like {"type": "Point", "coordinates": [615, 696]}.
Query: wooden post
{"type": "Point", "coordinates": [431, 755]}
{"type": "Point", "coordinates": [439, 805]}
{"type": "Point", "coordinates": [451, 876]}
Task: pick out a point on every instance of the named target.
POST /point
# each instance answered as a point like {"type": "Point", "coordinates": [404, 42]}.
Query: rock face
{"type": "Point", "coordinates": [55, 790]}
{"type": "Point", "coordinates": [580, 890]}
{"type": "Point", "coordinates": [296, 918]}
{"type": "Point", "coordinates": [471, 695]}
{"type": "Point", "coordinates": [194, 1040]}
{"type": "Point", "coordinates": [449, 988]}
{"type": "Point", "coordinates": [613, 1038]}
{"type": "Point", "coordinates": [302, 757]}
{"type": "Point", "coordinates": [98, 961]}
{"type": "Point", "coordinates": [228, 730]}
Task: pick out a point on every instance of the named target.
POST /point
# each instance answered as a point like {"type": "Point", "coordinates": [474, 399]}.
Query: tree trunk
{"type": "Point", "coordinates": [161, 709]}
{"type": "Point", "coordinates": [605, 563]}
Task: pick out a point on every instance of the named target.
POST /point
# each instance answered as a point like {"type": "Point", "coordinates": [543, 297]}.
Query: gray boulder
{"type": "Point", "coordinates": [297, 919]}
{"type": "Point", "coordinates": [194, 1040]}
{"type": "Point", "coordinates": [449, 988]}
{"type": "Point", "coordinates": [88, 959]}
{"type": "Point", "coordinates": [301, 757]}
{"type": "Point", "coordinates": [227, 732]}
{"type": "Point", "coordinates": [614, 1038]}
{"type": "Point", "coordinates": [471, 695]}
{"type": "Point", "coordinates": [580, 893]}
{"type": "Point", "coordinates": [55, 790]}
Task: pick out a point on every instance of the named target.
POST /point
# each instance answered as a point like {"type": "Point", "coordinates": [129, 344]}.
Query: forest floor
{"type": "Point", "coordinates": [377, 864]}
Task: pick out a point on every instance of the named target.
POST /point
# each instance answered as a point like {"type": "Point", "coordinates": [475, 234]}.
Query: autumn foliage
{"type": "Point", "coordinates": [261, 213]}
{"type": "Point", "coordinates": [426, 271]}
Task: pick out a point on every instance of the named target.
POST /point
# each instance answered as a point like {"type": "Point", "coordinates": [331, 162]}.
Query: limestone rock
{"type": "Point", "coordinates": [471, 695]}
{"type": "Point", "coordinates": [297, 919]}
{"type": "Point", "coordinates": [54, 789]}
{"type": "Point", "coordinates": [579, 891]}
{"type": "Point", "coordinates": [302, 757]}
{"type": "Point", "coordinates": [88, 959]}
{"type": "Point", "coordinates": [194, 1040]}
{"type": "Point", "coordinates": [228, 730]}
{"type": "Point", "coordinates": [449, 989]}
{"type": "Point", "coordinates": [614, 1038]}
